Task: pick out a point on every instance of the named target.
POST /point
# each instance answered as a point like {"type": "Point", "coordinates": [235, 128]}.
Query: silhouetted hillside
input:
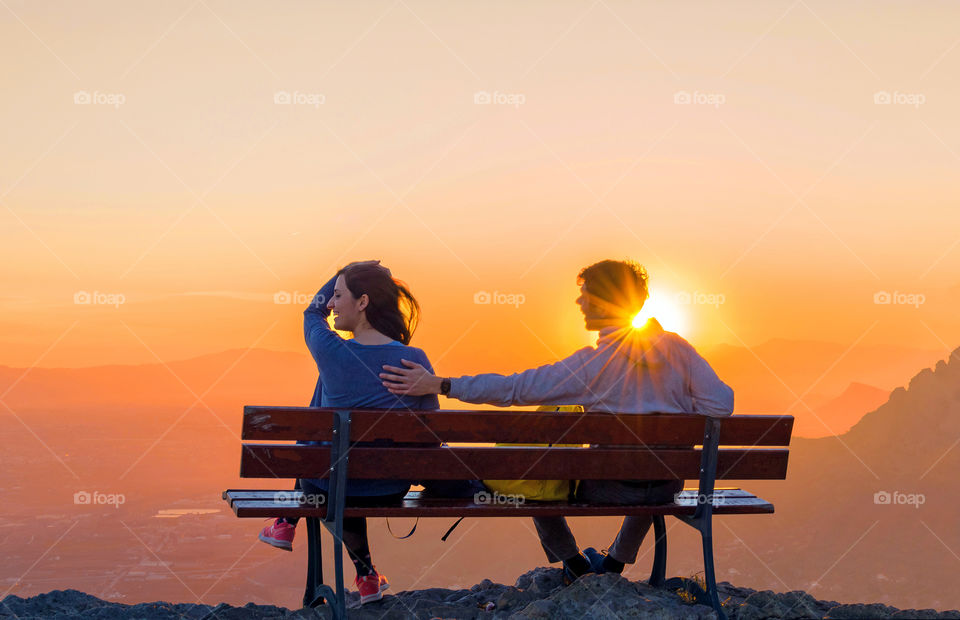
{"type": "Point", "coordinates": [838, 415]}
{"type": "Point", "coordinates": [536, 594]}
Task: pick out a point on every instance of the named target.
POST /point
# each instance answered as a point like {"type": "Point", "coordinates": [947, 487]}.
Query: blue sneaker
{"type": "Point", "coordinates": [569, 575]}
{"type": "Point", "coordinates": [596, 559]}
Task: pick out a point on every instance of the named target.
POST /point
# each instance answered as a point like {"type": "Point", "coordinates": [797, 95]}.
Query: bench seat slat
{"type": "Point", "coordinates": [511, 426]}
{"type": "Point", "coordinates": [232, 495]}
{"type": "Point", "coordinates": [732, 501]}
{"type": "Point", "coordinates": [528, 463]}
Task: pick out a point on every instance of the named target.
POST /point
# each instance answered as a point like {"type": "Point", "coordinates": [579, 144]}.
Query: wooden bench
{"type": "Point", "coordinates": [622, 447]}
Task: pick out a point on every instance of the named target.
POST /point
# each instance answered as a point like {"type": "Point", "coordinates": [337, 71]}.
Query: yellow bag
{"type": "Point", "coordinates": [538, 490]}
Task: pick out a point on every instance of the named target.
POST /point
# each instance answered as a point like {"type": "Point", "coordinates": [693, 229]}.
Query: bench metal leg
{"type": "Point", "coordinates": [311, 596]}
{"type": "Point", "coordinates": [339, 456]}
{"type": "Point", "coordinates": [316, 592]}
{"type": "Point", "coordinates": [659, 573]}
{"type": "Point", "coordinates": [702, 518]}
{"type": "Point", "coordinates": [709, 576]}
{"type": "Point", "coordinates": [340, 596]}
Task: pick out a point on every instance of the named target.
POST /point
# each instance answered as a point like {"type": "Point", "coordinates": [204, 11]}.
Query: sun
{"type": "Point", "coordinates": [666, 310]}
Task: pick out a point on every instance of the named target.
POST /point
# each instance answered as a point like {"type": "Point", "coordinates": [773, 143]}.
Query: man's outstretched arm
{"type": "Point", "coordinates": [562, 383]}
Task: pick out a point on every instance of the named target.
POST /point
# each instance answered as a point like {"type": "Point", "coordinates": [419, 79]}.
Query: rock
{"type": "Point", "coordinates": [514, 599]}
{"type": "Point", "coordinates": [457, 595]}
{"type": "Point", "coordinates": [874, 611]}
{"type": "Point", "coordinates": [433, 594]}
{"type": "Point", "coordinates": [543, 608]}
{"type": "Point", "coordinates": [483, 585]}
{"type": "Point", "coordinates": [541, 581]}
{"type": "Point", "coordinates": [917, 614]}
{"type": "Point", "coordinates": [250, 610]}
{"type": "Point", "coordinates": [55, 602]}
{"type": "Point", "coordinates": [308, 614]}
{"type": "Point", "coordinates": [790, 606]}
{"type": "Point", "coordinates": [524, 580]}
{"type": "Point", "coordinates": [469, 599]}
{"type": "Point", "coordinates": [611, 596]}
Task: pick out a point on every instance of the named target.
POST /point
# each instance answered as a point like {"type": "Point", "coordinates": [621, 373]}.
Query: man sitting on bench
{"type": "Point", "coordinates": [645, 370]}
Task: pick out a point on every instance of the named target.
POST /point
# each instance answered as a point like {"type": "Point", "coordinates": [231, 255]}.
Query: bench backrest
{"type": "Point", "coordinates": [622, 446]}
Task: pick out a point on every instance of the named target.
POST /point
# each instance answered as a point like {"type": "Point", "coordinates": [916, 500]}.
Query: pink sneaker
{"type": "Point", "coordinates": [371, 587]}
{"type": "Point", "coordinates": [279, 534]}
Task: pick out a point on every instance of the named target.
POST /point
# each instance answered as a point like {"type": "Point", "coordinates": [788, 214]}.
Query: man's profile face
{"type": "Point", "coordinates": [599, 313]}
{"type": "Point", "coordinates": [588, 307]}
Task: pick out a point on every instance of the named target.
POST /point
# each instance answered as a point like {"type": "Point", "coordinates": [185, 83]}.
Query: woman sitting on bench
{"type": "Point", "coordinates": [382, 315]}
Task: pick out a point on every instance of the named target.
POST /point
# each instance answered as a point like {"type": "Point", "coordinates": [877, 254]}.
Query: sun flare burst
{"type": "Point", "coordinates": [668, 312]}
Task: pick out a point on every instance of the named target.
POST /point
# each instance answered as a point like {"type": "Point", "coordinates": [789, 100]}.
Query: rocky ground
{"type": "Point", "coordinates": [536, 594]}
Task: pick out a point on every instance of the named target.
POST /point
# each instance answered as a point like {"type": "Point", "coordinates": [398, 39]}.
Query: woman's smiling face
{"type": "Point", "coordinates": [347, 309]}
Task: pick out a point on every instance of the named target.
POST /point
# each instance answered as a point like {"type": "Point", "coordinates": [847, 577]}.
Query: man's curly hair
{"type": "Point", "coordinates": [617, 286]}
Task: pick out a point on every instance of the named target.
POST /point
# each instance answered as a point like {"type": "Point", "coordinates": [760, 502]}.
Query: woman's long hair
{"type": "Point", "coordinates": [392, 309]}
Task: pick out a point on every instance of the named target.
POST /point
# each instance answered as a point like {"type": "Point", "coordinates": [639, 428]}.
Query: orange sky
{"type": "Point", "coordinates": [781, 189]}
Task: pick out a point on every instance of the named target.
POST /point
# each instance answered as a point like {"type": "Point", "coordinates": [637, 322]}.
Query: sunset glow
{"type": "Point", "coordinates": [669, 313]}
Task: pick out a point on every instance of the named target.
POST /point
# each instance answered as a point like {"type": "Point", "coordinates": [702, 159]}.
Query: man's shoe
{"type": "Point", "coordinates": [596, 559]}
{"type": "Point", "coordinates": [279, 534]}
{"type": "Point", "coordinates": [570, 575]}
{"type": "Point", "coordinates": [601, 562]}
{"type": "Point", "coordinates": [371, 587]}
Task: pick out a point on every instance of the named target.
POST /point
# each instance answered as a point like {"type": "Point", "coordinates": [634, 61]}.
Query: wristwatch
{"type": "Point", "coordinates": [445, 386]}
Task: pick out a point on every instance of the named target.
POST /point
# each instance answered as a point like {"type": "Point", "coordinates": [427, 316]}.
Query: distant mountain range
{"type": "Point", "coordinates": [837, 415]}
{"type": "Point", "coordinates": [837, 387]}
{"type": "Point", "coordinates": [233, 378]}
